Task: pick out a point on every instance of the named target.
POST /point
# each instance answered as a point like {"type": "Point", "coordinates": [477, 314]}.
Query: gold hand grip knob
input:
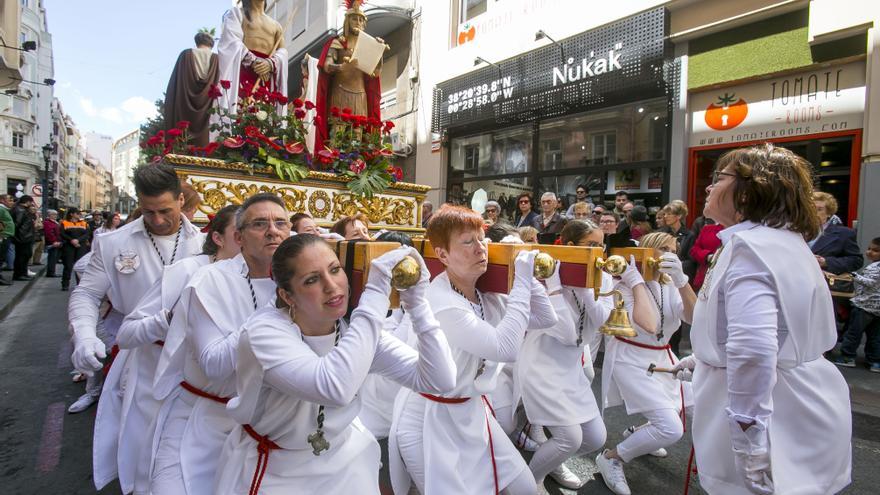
{"type": "Point", "coordinates": [406, 273]}
{"type": "Point", "coordinates": [615, 265]}
{"type": "Point", "coordinates": [545, 265]}
{"type": "Point", "coordinates": [654, 265]}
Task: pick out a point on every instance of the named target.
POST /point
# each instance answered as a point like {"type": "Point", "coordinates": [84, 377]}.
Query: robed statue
{"type": "Point", "coordinates": [187, 96]}
{"type": "Point", "coordinates": [252, 53]}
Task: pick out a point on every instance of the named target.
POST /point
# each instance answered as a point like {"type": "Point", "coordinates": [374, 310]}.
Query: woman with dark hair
{"type": "Point", "coordinates": [75, 235]}
{"type": "Point", "coordinates": [152, 321]}
{"type": "Point", "coordinates": [771, 414]}
{"type": "Point", "coordinates": [303, 223]}
{"type": "Point", "coordinates": [354, 227]}
{"type": "Point", "coordinates": [453, 443]}
{"type": "Point", "coordinates": [300, 366]}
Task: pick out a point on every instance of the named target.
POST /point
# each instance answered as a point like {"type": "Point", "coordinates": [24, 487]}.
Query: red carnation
{"type": "Point", "coordinates": [334, 111]}
{"type": "Point", "coordinates": [183, 124]}
{"type": "Point", "coordinates": [297, 103]}
{"type": "Point", "coordinates": [174, 132]}
{"type": "Point", "coordinates": [215, 92]}
{"type": "Point", "coordinates": [299, 113]}
{"type": "Point", "coordinates": [309, 105]}
{"type": "Point", "coordinates": [226, 84]}
{"type": "Point", "coordinates": [346, 111]}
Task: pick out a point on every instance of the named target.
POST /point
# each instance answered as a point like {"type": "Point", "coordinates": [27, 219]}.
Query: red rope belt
{"type": "Point", "coordinates": [264, 446]}
{"type": "Point", "coordinates": [201, 393]}
{"type": "Point", "coordinates": [460, 400]}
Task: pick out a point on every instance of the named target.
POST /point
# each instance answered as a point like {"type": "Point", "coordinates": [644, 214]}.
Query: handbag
{"type": "Point", "coordinates": [841, 285]}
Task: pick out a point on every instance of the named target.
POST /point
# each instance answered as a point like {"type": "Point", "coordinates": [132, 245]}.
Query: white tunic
{"type": "Point", "coordinates": [457, 456]}
{"type": "Point", "coordinates": [124, 422]}
{"type": "Point", "coordinates": [624, 370]}
{"type": "Point", "coordinates": [763, 319]}
{"type": "Point", "coordinates": [555, 390]}
{"type": "Point", "coordinates": [282, 379]}
{"type": "Point", "coordinates": [215, 303]}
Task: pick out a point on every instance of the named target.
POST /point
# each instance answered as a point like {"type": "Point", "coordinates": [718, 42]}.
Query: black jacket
{"type": "Point", "coordinates": [25, 230]}
{"type": "Point", "coordinates": [837, 244]}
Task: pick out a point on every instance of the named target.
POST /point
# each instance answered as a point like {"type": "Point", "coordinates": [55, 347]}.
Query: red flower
{"type": "Point", "coordinates": [346, 111]}
{"type": "Point", "coordinates": [215, 92]}
{"type": "Point", "coordinates": [396, 173]}
{"type": "Point", "coordinates": [160, 134]}
{"type": "Point", "coordinates": [326, 156]}
{"type": "Point", "coordinates": [334, 111]}
{"type": "Point", "coordinates": [295, 148]}
{"type": "Point", "coordinates": [183, 124]}
{"type": "Point", "coordinates": [309, 105]}
{"type": "Point", "coordinates": [282, 100]}
{"type": "Point", "coordinates": [211, 148]}
{"type": "Point", "coordinates": [251, 131]}
{"type": "Point", "coordinates": [174, 133]}
{"type": "Point", "coordinates": [388, 126]}
{"type": "Point", "coordinates": [297, 103]}
{"type": "Point", "coordinates": [299, 113]}
{"type": "Point", "coordinates": [226, 84]}
{"type": "Point", "coordinates": [233, 142]}
{"type": "Point", "coordinates": [357, 166]}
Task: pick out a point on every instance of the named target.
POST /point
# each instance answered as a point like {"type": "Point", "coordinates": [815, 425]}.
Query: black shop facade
{"type": "Point", "coordinates": [593, 109]}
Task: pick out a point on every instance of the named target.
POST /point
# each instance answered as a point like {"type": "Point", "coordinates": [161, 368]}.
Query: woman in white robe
{"type": "Point", "coordinates": [660, 397]}
{"type": "Point", "coordinates": [151, 319]}
{"type": "Point", "coordinates": [300, 367]}
{"type": "Point", "coordinates": [555, 390]}
{"type": "Point", "coordinates": [771, 415]}
{"type": "Point", "coordinates": [453, 443]}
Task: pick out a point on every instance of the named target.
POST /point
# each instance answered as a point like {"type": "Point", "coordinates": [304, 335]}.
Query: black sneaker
{"type": "Point", "coordinates": [846, 362]}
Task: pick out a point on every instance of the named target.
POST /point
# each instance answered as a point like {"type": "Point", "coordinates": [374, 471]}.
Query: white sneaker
{"type": "Point", "coordinates": [523, 442]}
{"type": "Point", "coordinates": [661, 452]}
{"type": "Point", "coordinates": [31, 274]}
{"type": "Point", "coordinates": [566, 478]}
{"type": "Point", "coordinates": [612, 473]}
{"type": "Point", "coordinates": [84, 402]}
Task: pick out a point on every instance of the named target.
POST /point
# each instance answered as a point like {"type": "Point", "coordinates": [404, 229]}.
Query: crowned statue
{"type": "Point", "coordinates": [251, 52]}
{"type": "Point", "coordinates": [341, 82]}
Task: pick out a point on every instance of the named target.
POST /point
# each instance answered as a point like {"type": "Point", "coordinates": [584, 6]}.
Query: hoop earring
{"type": "Point", "coordinates": [291, 311]}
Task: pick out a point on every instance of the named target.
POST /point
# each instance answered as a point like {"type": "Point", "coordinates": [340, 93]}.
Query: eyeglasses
{"type": "Point", "coordinates": [524, 201]}
{"type": "Point", "coordinates": [716, 176]}
{"type": "Point", "coordinates": [607, 222]}
{"type": "Point", "coordinates": [491, 210]}
{"type": "Point", "coordinates": [261, 225]}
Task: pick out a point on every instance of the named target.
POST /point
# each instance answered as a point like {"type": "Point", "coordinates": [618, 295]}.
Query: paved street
{"type": "Point", "coordinates": [47, 451]}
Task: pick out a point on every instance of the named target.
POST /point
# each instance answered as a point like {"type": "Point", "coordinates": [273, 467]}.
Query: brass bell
{"type": "Point", "coordinates": [545, 265]}
{"type": "Point", "coordinates": [618, 324]}
{"type": "Point", "coordinates": [406, 273]}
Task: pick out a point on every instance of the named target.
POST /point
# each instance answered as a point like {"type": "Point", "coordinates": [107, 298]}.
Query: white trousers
{"type": "Point", "coordinates": [167, 475]}
{"type": "Point", "coordinates": [567, 441]}
{"type": "Point", "coordinates": [663, 429]}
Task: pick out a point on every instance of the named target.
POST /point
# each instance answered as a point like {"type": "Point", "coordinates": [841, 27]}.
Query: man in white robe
{"type": "Point", "coordinates": [124, 264]}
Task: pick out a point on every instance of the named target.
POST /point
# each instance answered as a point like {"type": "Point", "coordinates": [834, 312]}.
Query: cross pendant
{"type": "Point", "coordinates": [318, 442]}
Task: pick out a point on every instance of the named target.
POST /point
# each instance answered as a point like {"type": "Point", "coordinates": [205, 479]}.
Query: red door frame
{"type": "Point", "coordinates": [854, 169]}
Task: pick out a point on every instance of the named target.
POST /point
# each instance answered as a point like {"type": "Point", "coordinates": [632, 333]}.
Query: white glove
{"type": "Point", "coordinates": [381, 267]}
{"type": "Point", "coordinates": [333, 236]}
{"type": "Point", "coordinates": [631, 277]}
{"type": "Point", "coordinates": [87, 353]}
{"type": "Point", "coordinates": [554, 283]}
{"type": "Point", "coordinates": [671, 265]}
{"type": "Point", "coordinates": [415, 295]}
{"type": "Point", "coordinates": [684, 369]}
{"type": "Point", "coordinates": [524, 268]}
{"type": "Point", "coordinates": [751, 456]}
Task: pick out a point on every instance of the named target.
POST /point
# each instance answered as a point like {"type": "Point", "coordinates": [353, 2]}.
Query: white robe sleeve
{"type": "Point", "coordinates": [214, 348]}
{"type": "Point", "coordinates": [147, 323]}
{"type": "Point", "coordinates": [85, 300]}
{"type": "Point", "coordinates": [541, 310]}
{"type": "Point", "coordinates": [565, 329]}
{"type": "Point", "coordinates": [500, 343]}
{"type": "Point", "coordinates": [752, 323]}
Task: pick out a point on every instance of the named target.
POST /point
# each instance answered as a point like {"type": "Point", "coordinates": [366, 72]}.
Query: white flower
{"type": "Point", "coordinates": [262, 115]}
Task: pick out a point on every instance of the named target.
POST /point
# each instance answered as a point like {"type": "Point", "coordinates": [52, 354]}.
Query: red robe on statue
{"type": "Point", "coordinates": [248, 77]}
{"type": "Point", "coordinates": [322, 98]}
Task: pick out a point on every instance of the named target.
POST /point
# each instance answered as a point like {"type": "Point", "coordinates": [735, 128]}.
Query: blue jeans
{"type": "Point", "coordinates": [860, 321]}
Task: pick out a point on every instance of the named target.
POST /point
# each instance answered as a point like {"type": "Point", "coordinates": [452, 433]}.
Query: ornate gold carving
{"type": "Point", "coordinates": [378, 209]}
{"type": "Point", "coordinates": [216, 194]}
{"type": "Point", "coordinates": [319, 211]}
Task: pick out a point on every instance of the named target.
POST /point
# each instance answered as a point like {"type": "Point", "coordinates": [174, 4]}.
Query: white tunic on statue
{"type": "Point", "coordinates": [554, 388]}
{"type": "Point", "coordinates": [282, 379]}
{"type": "Point", "coordinates": [763, 319]}
{"type": "Point", "coordinates": [378, 392]}
{"type": "Point", "coordinates": [127, 410]}
{"type": "Point", "coordinates": [215, 303]}
{"type": "Point", "coordinates": [624, 370]}
{"type": "Point", "coordinates": [456, 454]}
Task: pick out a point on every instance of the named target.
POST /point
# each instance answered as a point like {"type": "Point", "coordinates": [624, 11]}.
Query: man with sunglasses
{"type": "Point", "coordinates": [526, 217]}
{"type": "Point", "coordinates": [580, 197]}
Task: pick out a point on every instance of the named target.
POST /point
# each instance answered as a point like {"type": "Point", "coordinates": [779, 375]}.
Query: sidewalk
{"type": "Point", "coordinates": [10, 295]}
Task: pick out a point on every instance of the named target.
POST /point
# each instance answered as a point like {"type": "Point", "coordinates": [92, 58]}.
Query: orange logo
{"type": "Point", "coordinates": [728, 113]}
{"type": "Point", "coordinates": [466, 34]}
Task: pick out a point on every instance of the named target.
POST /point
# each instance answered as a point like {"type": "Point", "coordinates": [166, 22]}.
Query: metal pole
{"type": "Point", "coordinates": [46, 187]}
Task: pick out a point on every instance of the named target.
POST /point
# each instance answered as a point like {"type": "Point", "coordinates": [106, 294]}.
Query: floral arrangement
{"type": "Point", "coordinates": [257, 133]}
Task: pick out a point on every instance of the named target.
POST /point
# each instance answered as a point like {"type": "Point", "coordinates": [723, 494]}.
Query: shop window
{"type": "Point", "coordinates": [18, 140]}
{"type": "Point", "coordinates": [472, 8]}
{"type": "Point", "coordinates": [12, 188]}
{"type": "Point", "coordinates": [551, 150]}
{"type": "Point", "coordinates": [502, 152]}
{"type": "Point", "coordinates": [565, 186]}
{"type": "Point", "coordinates": [471, 158]}
{"type": "Point", "coordinates": [504, 191]}
{"type": "Point", "coordinates": [604, 148]}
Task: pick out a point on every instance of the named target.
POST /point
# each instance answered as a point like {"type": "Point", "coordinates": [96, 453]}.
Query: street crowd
{"type": "Point", "coordinates": [229, 359]}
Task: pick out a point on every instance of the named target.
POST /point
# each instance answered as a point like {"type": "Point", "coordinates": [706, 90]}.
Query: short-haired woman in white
{"type": "Point", "coordinates": [301, 365]}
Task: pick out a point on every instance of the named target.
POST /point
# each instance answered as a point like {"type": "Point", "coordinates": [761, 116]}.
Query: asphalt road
{"type": "Point", "coordinates": [44, 450]}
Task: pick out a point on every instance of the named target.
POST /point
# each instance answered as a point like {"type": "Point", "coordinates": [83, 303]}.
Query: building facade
{"type": "Point", "coordinates": [88, 184]}
{"type": "Point", "coordinates": [125, 155]}
{"type": "Point", "coordinates": [10, 58]}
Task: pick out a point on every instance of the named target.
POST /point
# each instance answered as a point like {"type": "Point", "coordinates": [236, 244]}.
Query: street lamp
{"type": "Point", "coordinates": [47, 155]}
{"type": "Point", "coordinates": [541, 35]}
{"type": "Point", "coordinates": [481, 60]}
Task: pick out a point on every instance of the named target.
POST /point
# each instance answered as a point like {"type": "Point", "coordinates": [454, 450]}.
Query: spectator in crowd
{"type": "Point", "coordinates": [580, 198]}
{"type": "Point", "coordinates": [24, 216]}
{"type": "Point", "coordinates": [7, 250]}
{"type": "Point", "coordinates": [528, 234]}
{"type": "Point", "coordinates": [835, 248]}
{"type": "Point", "coordinates": [704, 250]}
{"type": "Point", "coordinates": [659, 224]}
{"type": "Point", "coordinates": [352, 227]}
{"type": "Point", "coordinates": [493, 209]}
{"type": "Point", "coordinates": [39, 241]}
{"type": "Point", "coordinates": [580, 211]}
{"type": "Point", "coordinates": [608, 222]}
{"type": "Point", "coordinates": [598, 210]}
{"type": "Point", "coordinates": [550, 223]}
{"type": "Point", "coordinates": [7, 231]}
{"type": "Point", "coordinates": [112, 221]}
{"type": "Point", "coordinates": [638, 219]}
{"type": "Point", "coordinates": [865, 315]}
{"type": "Point", "coordinates": [75, 234]}
{"type": "Point", "coordinates": [625, 221]}
{"type": "Point", "coordinates": [526, 217]}
{"type": "Point", "coordinates": [674, 217]}
{"type": "Point", "coordinates": [94, 220]}
{"type": "Point", "coordinates": [427, 211]}
{"type": "Point", "coordinates": [191, 201]}
{"type": "Point", "coordinates": [303, 223]}
{"type": "Point", "coordinates": [498, 231]}
{"type": "Point", "coordinates": [620, 199]}
{"type": "Point", "coordinates": [52, 234]}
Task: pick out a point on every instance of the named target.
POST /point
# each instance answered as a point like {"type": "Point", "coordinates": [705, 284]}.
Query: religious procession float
{"type": "Point", "coordinates": [231, 130]}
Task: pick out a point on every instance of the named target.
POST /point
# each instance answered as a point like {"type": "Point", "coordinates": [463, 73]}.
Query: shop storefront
{"type": "Point", "coordinates": [591, 110]}
{"type": "Point", "coordinates": [818, 114]}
